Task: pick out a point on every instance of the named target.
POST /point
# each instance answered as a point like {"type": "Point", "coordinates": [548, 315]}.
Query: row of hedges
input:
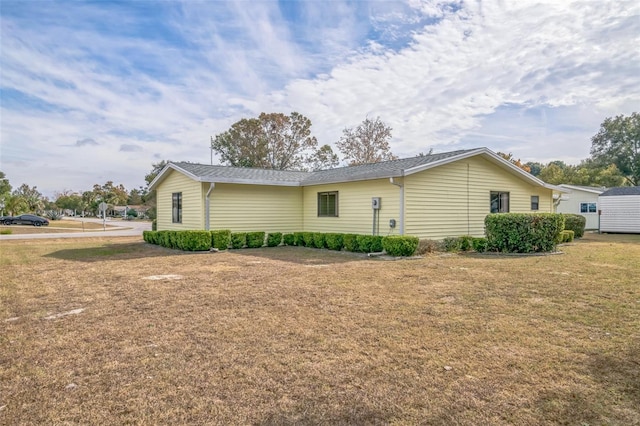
{"type": "Point", "coordinates": [575, 223]}
{"type": "Point", "coordinates": [523, 233]}
{"type": "Point", "coordinates": [224, 239]}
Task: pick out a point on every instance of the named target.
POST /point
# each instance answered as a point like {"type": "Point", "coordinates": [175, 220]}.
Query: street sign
{"type": "Point", "coordinates": [102, 206]}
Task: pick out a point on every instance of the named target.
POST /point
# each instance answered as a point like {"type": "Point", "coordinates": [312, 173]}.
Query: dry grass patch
{"type": "Point", "coordinates": [293, 335]}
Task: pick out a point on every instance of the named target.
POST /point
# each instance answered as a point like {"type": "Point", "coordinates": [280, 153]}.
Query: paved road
{"type": "Point", "coordinates": [124, 229]}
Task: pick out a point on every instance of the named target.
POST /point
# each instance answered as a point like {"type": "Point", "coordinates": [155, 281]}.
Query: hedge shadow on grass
{"type": "Point", "coordinates": [302, 255]}
{"type": "Point", "coordinates": [104, 252]}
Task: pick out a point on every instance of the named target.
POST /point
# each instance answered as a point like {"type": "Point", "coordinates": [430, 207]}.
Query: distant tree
{"type": "Point", "coordinates": [618, 142]}
{"type": "Point", "coordinates": [115, 195]}
{"type": "Point", "coordinates": [512, 159]}
{"type": "Point", "coordinates": [135, 197]}
{"type": "Point", "coordinates": [366, 143]}
{"type": "Point", "coordinates": [423, 154]}
{"type": "Point", "coordinates": [534, 168]}
{"type": "Point", "coordinates": [271, 141]}
{"type": "Point", "coordinates": [156, 168]}
{"type": "Point", "coordinates": [68, 200]}
{"type": "Point", "coordinates": [5, 187]}
{"type": "Point", "coordinates": [324, 158]}
{"type": "Point", "coordinates": [33, 197]}
{"type": "Point", "coordinates": [15, 204]}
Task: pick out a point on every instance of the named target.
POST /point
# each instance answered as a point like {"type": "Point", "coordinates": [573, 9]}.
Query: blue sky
{"type": "Point", "coordinates": [97, 90]}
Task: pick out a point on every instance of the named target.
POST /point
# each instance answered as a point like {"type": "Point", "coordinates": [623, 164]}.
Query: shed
{"type": "Point", "coordinates": [620, 210]}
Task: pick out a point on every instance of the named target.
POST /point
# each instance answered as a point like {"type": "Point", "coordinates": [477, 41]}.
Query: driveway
{"type": "Point", "coordinates": [125, 229]}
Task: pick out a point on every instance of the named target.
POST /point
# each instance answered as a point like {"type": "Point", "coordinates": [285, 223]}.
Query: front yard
{"type": "Point", "coordinates": [115, 331]}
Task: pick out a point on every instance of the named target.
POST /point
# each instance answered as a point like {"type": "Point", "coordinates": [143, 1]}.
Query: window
{"type": "Point", "coordinates": [535, 202]}
{"type": "Point", "coordinates": [499, 202]}
{"type": "Point", "coordinates": [328, 204]}
{"type": "Point", "coordinates": [176, 207]}
{"type": "Point", "coordinates": [588, 208]}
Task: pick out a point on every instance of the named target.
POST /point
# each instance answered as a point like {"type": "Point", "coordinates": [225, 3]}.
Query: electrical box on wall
{"type": "Point", "coordinates": [375, 203]}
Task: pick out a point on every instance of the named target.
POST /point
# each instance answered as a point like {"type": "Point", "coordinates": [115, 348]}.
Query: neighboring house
{"type": "Point", "coordinates": [120, 210]}
{"type": "Point", "coordinates": [620, 210]}
{"type": "Point", "coordinates": [582, 200]}
{"type": "Point", "coordinates": [430, 196]}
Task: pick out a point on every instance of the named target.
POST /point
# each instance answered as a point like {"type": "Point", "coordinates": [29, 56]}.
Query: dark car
{"type": "Point", "coordinates": [26, 219]}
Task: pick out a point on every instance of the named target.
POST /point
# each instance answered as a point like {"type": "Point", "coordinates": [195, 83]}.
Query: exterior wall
{"type": "Point", "coordinates": [453, 199]}
{"type": "Point", "coordinates": [620, 213]}
{"type": "Point", "coordinates": [192, 202]}
{"type": "Point", "coordinates": [245, 208]}
{"type": "Point", "coordinates": [355, 214]}
{"type": "Point", "coordinates": [572, 205]}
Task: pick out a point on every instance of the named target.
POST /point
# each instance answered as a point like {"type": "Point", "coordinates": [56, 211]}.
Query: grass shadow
{"type": "Point", "coordinates": [302, 255]}
{"type": "Point", "coordinates": [127, 251]}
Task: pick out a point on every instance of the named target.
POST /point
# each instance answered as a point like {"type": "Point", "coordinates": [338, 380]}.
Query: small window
{"type": "Point", "coordinates": [535, 202]}
{"type": "Point", "coordinates": [588, 208]}
{"type": "Point", "coordinates": [499, 202]}
{"type": "Point", "coordinates": [176, 207]}
{"type": "Point", "coordinates": [328, 204]}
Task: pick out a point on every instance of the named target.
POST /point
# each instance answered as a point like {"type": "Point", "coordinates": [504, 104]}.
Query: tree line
{"type": "Point", "coordinates": [281, 142]}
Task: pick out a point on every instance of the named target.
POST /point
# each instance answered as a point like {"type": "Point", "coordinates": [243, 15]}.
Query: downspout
{"type": "Point", "coordinates": [207, 209]}
{"type": "Point", "coordinates": [401, 220]}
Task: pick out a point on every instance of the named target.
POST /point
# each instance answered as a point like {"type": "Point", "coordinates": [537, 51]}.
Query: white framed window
{"type": "Point", "coordinates": [499, 202]}
{"type": "Point", "coordinates": [535, 202]}
{"type": "Point", "coordinates": [328, 204]}
{"type": "Point", "coordinates": [588, 208]}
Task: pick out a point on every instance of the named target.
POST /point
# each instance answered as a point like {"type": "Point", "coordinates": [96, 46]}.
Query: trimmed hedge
{"type": "Point", "coordinates": [238, 240]}
{"type": "Point", "coordinates": [566, 236]}
{"type": "Point", "coordinates": [479, 244]}
{"type": "Point", "coordinates": [523, 232]}
{"type": "Point", "coordinates": [274, 239]}
{"type": "Point", "coordinates": [154, 225]}
{"type": "Point", "coordinates": [289, 239]}
{"type": "Point", "coordinates": [221, 239]}
{"type": "Point", "coordinates": [575, 223]}
{"type": "Point", "coordinates": [255, 239]}
{"type": "Point", "coordinates": [333, 241]}
{"type": "Point", "coordinates": [400, 245]}
{"type": "Point", "coordinates": [196, 240]}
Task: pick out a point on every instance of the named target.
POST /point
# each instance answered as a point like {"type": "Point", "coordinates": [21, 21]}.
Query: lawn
{"type": "Point", "coordinates": [114, 331]}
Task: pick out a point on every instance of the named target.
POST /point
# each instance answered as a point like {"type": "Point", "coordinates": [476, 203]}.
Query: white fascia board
{"type": "Point", "coordinates": [220, 179]}
{"type": "Point", "coordinates": [577, 188]}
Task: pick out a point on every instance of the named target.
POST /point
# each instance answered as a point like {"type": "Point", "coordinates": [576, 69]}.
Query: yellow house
{"type": "Point", "coordinates": [431, 196]}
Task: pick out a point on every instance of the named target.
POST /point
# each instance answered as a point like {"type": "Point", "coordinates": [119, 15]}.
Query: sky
{"type": "Point", "coordinates": [97, 91]}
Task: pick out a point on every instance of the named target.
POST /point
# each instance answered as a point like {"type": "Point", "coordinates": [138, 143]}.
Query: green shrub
{"type": "Point", "coordinates": [194, 240]}
{"type": "Point", "coordinates": [6, 231]}
{"type": "Point", "coordinates": [154, 225]}
{"type": "Point", "coordinates": [453, 244]}
{"type": "Point", "coordinates": [172, 239]}
{"type": "Point", "coordinates": [566, 236]}
{"type": "Point", "coordinates": [307, 238]}
{"type": "Point", "coordinates": [523, 232]}
{"type": "Point", "coordinates": [318, 240]}
{"type": "Point", "coordinates": [333, 241]}
{"type": "Point", "coordinates": [53, 215]}
{"type": "Point", "coordinates": [255, 239]}
{"type": "Point", "coordinates": [575, 223]}
{"type": "Point", "coordinates": [238, 240]}
{"type": "Point", "coordinates": [298, 239]}
{"type": "Point", "coordinates": [274, 239]}
{"type": "Point", "coordinates": [289, 239]}
{"type": "Point", "coordinates": [221, 239]}
{"type": "Point", "coordinates": [349, 242]}
{"type": "Point", "coordinates": [479, 244]}
{"type": "Point", "coordinates": [146, 236]}
{"type": "Point", "coordinates": [163, 238]}
{"type": "Point", "coordinates": [400, 245]}
{"type": "Point", "coordinates": [466, 243]}
{"type": "Point", "coordinates": [428, 246]}
{"type": "Point", "coordinates": [369, 243]}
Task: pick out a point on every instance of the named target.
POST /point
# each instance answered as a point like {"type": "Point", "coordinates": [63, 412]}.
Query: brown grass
{"type": "Point", "coordinates": [302, 336]}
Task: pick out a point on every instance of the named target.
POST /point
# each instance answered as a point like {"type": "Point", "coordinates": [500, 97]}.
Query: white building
{"type": "Point", "coordinates": [620, 210]}
{"type": "Point", "coordinates": [582, 200]}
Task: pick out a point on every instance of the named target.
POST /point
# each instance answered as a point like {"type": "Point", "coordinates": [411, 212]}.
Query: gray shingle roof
{"type": "Point", "coordinates": [622, 190]}
{"type": "Point", "coordinates": [384, 169]}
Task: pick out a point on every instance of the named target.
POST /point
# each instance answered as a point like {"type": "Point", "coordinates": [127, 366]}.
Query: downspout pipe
{"type": "Point", "coordinates": [401, 219]}
{"type": "Point", "coordinates": [207, 209]}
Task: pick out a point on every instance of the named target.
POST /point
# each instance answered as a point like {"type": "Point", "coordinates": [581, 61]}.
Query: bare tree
{"type": "Point", "coordinates": [366, 143]}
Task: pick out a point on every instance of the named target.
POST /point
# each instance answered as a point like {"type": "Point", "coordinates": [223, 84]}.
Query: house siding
{"type": "Point", "coordinates": [355, 214]}
{"type": "Point", "coordinates": [245, 208]}
{"type": "Point", "coordinates": [572, 205]}
{"type": "Point", "coordinates": [620, 214]}
{"type": "Point", "coordinates": [453, 199]}
{"type": "Point", "coordinates": [192, 203]}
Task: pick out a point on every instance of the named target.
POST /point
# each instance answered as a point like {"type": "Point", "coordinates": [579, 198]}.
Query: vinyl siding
{"type": "Point", "coordinates": [244, 208]}
{"type": "Point", "coordinates": [192, 202]}
{"type": "Point", "coordinates": [572, 202]}
{"type": "Point", "coordinates": [620, 213]}
{"type": "Point", "coordinates": [453, 199]}
{"type": "Point", "coordinates": [354, 207]}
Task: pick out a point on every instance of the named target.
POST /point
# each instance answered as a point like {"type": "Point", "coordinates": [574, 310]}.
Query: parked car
{"type": "Point", "coordinates": [26, 219]}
